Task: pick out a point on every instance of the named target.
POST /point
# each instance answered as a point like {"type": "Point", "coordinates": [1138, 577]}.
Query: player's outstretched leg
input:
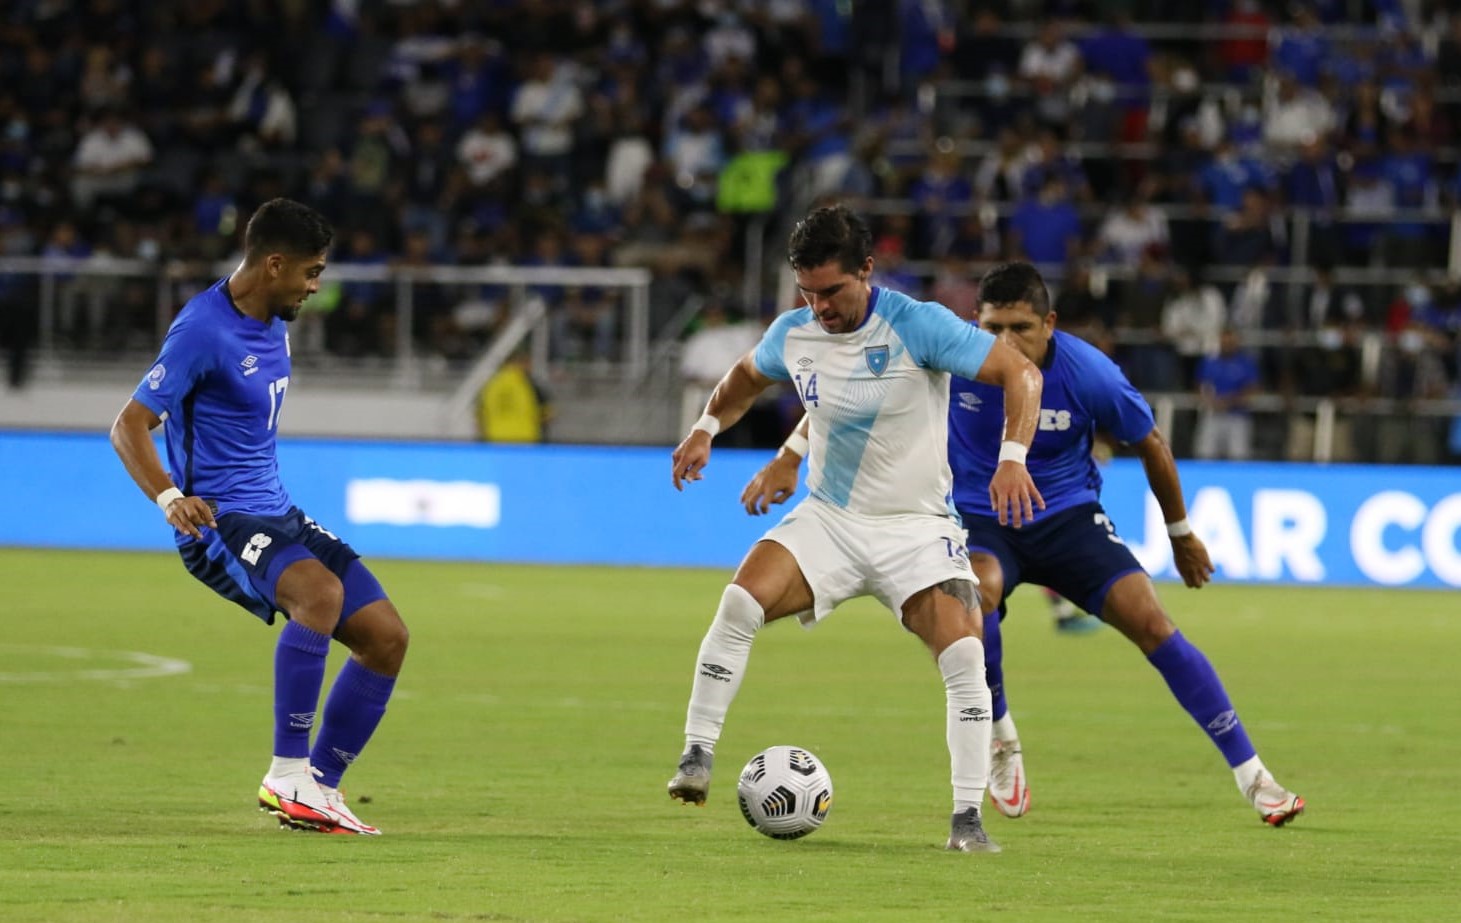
{"type": "Point", "coordinates": [718, 668]}
{"type": "Point", "coordinates": [1196, 686]}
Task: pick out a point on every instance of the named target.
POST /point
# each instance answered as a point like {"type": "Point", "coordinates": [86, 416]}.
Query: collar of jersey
{"type": "Point", "coordinates": [872, 305]}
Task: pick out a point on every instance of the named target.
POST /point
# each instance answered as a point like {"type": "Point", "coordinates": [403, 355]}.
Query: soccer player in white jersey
{"type": "Point", "coordinates": [872, 367]}
{"type": "Point", "coordinates": [1073, 549]}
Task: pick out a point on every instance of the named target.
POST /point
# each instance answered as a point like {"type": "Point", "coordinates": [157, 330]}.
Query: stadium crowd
{"type": "Point", "coordinates": [1180, 167]}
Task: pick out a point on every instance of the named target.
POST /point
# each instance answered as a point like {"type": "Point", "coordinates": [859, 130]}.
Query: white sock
{"type": "Point", "coordinates": [720, 665]}
{"type": "Point", "coordinates": [969, 724]}
{"type": "Point", "coordinates": [283, 766]}
{"type": "Point", "coordinates": [1004, 729]}
{"type": "Point", "coordinates": [1247, 772]}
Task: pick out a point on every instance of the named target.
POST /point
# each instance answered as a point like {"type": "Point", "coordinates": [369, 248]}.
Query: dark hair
{"type": "Point", "coordinates": [832, 232]}
{"type": "Point", "coordinates": [1009, 283]}
{"type": "Point", "coordinates": [289, 227]}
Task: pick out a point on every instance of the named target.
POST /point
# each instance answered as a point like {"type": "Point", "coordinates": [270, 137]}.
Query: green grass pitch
{"type": "Point", "coordinates": [520, 772]}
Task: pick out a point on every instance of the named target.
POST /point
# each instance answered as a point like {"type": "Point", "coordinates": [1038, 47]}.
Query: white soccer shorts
{"type": "Point", "coordinates": [844, 556]}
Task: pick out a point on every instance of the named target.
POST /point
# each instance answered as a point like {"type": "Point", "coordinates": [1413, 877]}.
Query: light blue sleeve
{"type": "Point", "coordinates": [936, 338]}
{"type": "Point", "coordinates": [770, 355]}
{"type": "Point", "coordinates": [1109, 397]}
{"type": "Point", "coordinates": [187, 355]}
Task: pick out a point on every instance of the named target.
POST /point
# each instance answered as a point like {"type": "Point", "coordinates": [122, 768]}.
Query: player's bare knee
{"type": "Point", "coordinates": [942, 614]}
{"type": "Point", "coordinates": [317, 606]}
{"type": "Point", "coordinates": [386, 649]}
{"type": "Point", "coordinates": [1147, 628]}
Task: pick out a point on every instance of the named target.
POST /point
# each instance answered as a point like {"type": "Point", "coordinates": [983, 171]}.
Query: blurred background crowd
{"type": "Point", "coordinates": [1239, 200]}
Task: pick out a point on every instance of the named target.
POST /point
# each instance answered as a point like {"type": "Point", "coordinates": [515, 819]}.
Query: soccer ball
{"type": "Point", "coordinates": [785, 792]}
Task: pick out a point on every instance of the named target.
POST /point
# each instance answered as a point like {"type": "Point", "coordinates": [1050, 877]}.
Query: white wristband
{"type": "Point", "coordinates": [165, 499]}
{"type": "Point", "coordinates": [1009, 450]}
{"type": "Point", "coordinates": [707, 424]}
{"type": "Point", "coordinates": [797, 444]}
{"type": "Point", "coordinates": [1179, 528]}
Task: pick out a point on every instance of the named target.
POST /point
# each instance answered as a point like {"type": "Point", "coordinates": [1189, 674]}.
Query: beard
{"type": "Point", "coordinates": [289, 313]}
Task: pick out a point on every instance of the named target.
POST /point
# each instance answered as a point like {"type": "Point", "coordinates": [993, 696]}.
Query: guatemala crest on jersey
{"type": "Point", "coordinates": [877, 359]}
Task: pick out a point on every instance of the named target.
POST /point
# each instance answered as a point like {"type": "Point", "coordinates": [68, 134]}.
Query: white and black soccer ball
{"type": "Point", "coordinates": [785, 792]}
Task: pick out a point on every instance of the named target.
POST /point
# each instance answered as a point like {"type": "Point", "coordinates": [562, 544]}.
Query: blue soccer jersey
{"type": "Point", "coordinates": [1084, 391]}
{"type": "Point", "coordinates": [219, 384]}
{"type": "Point", "coordinates": [877, 400]}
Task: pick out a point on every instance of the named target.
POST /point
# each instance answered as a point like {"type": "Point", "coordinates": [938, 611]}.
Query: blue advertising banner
{"type": "Point", "coordinates": [1269, 523]}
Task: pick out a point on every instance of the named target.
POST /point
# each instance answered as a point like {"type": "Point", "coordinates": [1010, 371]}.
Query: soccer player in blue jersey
{"type": "Point", "coordinates": [220, 384]}
{"type": "Point", "coordinates": [872, 369]}
{"type": "Point", "coordinates": [1072, 547]}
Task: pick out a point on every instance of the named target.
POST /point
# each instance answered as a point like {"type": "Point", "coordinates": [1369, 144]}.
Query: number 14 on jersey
{"type": "Point", "coordinates": [806, 387]}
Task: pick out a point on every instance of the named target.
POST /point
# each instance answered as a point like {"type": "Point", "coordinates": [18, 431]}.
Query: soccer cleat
{"type": "Point", "coordinates": [1276, 804]}
{"type": "Point", "coordinates": [346, 821]}
{"type": "Point", "coordinates": [966, 833]}
{"type": "Point", "coordinates": [692, 782]}
{"type": "Point", "coordinates": [297, 801]}
{"type": "Point", "coordinates": [1008, 787]}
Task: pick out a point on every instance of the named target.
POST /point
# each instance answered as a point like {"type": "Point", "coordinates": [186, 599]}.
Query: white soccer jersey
{"type": "Point", "coordinates": [878, 399]}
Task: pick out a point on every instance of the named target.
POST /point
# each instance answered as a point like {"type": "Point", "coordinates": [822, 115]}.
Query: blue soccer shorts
{"type": "Point", "coordinates": [242, 559]}
{"type": "Point", "coordinates": [1075, 552]}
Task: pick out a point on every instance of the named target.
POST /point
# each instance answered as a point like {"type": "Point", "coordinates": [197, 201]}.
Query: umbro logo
{"type": "Point", "coordinates": [805, 361]}
{"type": "Point", "coordinates": [342, 756]}
{"type": "Point", "coordinates": [302, 721]}
{"type": "Point", "coordinates": [968, 400]}
{"type": "Point", "coordinates": [1224, 722]}
{"type": "Point", "coordinates": [250, 365]}
{"type": "Point", "coordinates": [974, 714]}
{"type": "Point", "coordinates": [716, 672]}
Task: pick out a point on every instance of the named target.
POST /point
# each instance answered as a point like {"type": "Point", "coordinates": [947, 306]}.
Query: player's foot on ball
{"type": "Point", "coordinates": [296, 800]}
{"type": "Point", "coordinates": [692, 781]}
{"type": "Point", "coordinates": [348, 822]}
{"type": "Point", "coordinates": [1008, 787]}
{"type": "Point", "coordinates": [966, 833]}
{"type": "Point", "coordinates": [1274, 803]}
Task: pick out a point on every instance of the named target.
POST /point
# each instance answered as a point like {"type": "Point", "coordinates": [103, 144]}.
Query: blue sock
{"type": "Point", "coordinates": [356, 704]}
{"type": "Point", "coordinates": [994, 664]}
{"type": "Point", "coordinates": [1196, 685]}
{"type": "Point", "coordinates": [299, 672]}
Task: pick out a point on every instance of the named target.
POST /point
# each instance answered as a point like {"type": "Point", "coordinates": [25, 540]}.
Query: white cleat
{"type": "Point", "coordinates": [1009, 790]}
{"type": "Point", "coordinates": [346, 821]}
{"type": "Point", "coordinates": [296, 800]}
{"type": "Point", "coordinates": [1274, 803]}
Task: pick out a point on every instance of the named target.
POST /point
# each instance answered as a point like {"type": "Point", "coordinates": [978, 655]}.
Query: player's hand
{"type": "Point", "coordinates": [689, 458]}
{"type": "Point", "coordinates": [1012, 494]}
{"type": "Point", "coordinates": [773, 484]}
{"type": "Point", "coordinates": [1192, 560]}
{"type": "Point", "coordinates": [186, 514]}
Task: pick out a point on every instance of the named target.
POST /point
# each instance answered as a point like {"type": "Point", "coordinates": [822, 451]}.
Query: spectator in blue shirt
{"type": "Point", "coordinates": [1407, 168]}
{"type": "Point", "coordinates": [1303, 49]}
{"type": "Point", "coordinates": [1225, 383]}
{"type": "Point", "coordinates": [1045, 230]}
